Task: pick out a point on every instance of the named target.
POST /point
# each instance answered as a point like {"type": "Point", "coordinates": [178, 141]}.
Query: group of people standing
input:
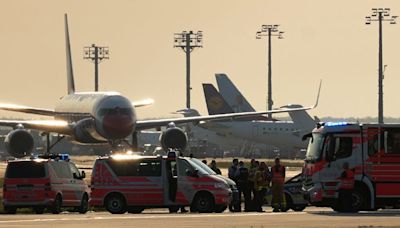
{"type": "Point", "coordinates": [255, 182]}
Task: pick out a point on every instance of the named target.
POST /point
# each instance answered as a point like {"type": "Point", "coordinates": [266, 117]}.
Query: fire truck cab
{"type": "Point", "coordinates": [371, 150]}
{"type": "Point", "coordinates": [132, 183]}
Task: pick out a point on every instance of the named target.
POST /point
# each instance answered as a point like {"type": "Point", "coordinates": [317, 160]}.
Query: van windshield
{"type": "Point", "coordinates": [25, 169]}
{"type": "Point", "coordinates": [200, 169]}
{"type": "Point", "coordinates": [205, 167]}
{"type": "Point", "coordinates": [314, 148]}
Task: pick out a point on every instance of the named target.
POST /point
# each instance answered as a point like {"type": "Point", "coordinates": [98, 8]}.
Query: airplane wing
{"type": "Point", "coordinates": [58, 126]}
{"type": "Point", "coordinates": [142, 103]}
{"type": "Point", "coordinates": [146, 124]}
{"type": "Point", "coordinates": [26, 109]}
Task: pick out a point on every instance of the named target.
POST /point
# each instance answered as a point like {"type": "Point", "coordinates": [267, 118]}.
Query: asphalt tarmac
{"type": "Point", "coordinates": [311, 217]}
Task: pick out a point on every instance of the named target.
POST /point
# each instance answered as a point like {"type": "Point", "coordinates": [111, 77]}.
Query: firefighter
{"type": "Point", "coordinates": [261, 185]}
{"type": "Point", "coordinates": [234, 206]}
{"type": "Point", "coordinates": [252, 172]}
{"type": "Point", "coordinates": [232, 170]}
{"type": "Point", "coordinates": [278, 180]}
{"type": "Point", "coordinates": [214, 167]}
{"type": "Point", "coordinates": [242, 181]}
{"type": "Point", "coordinates": [346, 188]}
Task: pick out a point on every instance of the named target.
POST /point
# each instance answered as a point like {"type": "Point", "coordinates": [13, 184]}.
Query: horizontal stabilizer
{"type": "Point", "coordinates": [141, 103]}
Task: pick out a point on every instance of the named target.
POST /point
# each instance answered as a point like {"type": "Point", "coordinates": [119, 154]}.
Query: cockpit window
{"type": "Point", "coordinates": [115, 111]}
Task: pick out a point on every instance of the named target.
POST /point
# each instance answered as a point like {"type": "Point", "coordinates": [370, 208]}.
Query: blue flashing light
{"type": "Point", "coordinates": [64, 157]}
{"type": "Point", "coordinates": [335, 124]}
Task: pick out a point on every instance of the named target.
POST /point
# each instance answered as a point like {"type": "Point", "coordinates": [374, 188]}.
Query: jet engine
{"type": "Point", "coordinates": [19, 143]}
{"type": "Point", "coordinates": [173, 138]}
{"type": "Point", "coordinates": [85, 132]}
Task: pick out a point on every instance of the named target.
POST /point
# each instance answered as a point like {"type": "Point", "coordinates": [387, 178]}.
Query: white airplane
{"type": "Point", "coordinates": [285, 135]}
{"type": "Point", "coordinates": [97, 117]}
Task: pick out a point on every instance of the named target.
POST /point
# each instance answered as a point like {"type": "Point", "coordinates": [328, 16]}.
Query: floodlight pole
{"type": "Point", "coordinates": [269, 30]}
{"type": "Point", "coordinates": [187, 41]}
{"type": "Point", "coordinates": [96, 54]}
{"type": "Point", "coordinates": [380, 15]}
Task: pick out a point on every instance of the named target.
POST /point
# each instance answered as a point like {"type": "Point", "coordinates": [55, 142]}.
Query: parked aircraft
{"type": "Point", "coordinates": [285, 135]}
{"type": "Point", "coordinates": [97, 117]}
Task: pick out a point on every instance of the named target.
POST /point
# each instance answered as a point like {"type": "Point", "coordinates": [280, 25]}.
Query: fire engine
{"type": "Point", "coordinates": [371, 150]}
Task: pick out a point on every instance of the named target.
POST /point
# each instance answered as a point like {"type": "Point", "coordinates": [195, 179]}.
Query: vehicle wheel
{"type": "Point", "coordinates": [204, 203]}
{"type": "Point", "coordinates": [38, 210]}
{"type": "Point", "coordinates": [289, 203]}
{"type": "Point", "coordinates": [220, 208]}
{"type": "Point", "coordinates": [299, 207]}
{"type": "Point", "coordinates": [83, 208]}
{"type": "Point", "coordinates": [135, 210]}
{"type": "Point", "coordinates": [358, 200]}
{"type": "Point", "coordinates": [10, 210]}
{"type": "Point", "coordinates": [56, 207]}
{"type": "Point", "coordinates": [115, 204]}
{"type": "Point", "coordinates": [174, 209]}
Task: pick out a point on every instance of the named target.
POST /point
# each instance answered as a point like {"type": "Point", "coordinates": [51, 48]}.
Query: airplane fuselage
{"type": "Point", "coordinates": [97, 116]}
{"type": "Point", "coordinates": [280, 134]}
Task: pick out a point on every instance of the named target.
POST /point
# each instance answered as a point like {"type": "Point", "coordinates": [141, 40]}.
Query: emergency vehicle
{"type": "Point", "coordinates": [371, 150]}
{"type": "Point", "coordinates": [46, 182]}
{"type": "Point", "coordinates": [132, 183]}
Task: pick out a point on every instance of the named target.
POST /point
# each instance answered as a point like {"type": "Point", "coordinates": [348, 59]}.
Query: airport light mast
{"type": "Point", "coordinates": [96, 54]}
{"type": "Point", "coordinates": [269, 31]}
{"type": "Point", "coordinates": [188, 41]}
{"type": "Point", "coordinates": [380, 15]}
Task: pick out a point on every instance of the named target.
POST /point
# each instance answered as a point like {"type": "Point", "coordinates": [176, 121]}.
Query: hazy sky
{"type": "Point", "coordinates": [325, 40]}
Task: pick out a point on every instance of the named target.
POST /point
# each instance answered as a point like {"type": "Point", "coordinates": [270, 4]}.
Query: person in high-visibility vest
{"type": "Point", "coordinates": [346, 187]}
{"type": "Point", "coordinates": [278, 179]}
{"type": "Point", "coordinates": [261, 184]}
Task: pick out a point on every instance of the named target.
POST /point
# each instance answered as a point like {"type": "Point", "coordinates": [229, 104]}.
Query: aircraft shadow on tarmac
{"type": "Point", "coordinates": [359, 214]}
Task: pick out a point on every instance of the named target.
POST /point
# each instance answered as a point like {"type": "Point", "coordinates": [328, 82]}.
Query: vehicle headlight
{"type": "Point", "coordinates": [220, 185]}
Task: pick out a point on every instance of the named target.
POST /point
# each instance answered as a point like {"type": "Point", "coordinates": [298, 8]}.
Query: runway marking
{"type": "Point", "coordinates": [148, 217]}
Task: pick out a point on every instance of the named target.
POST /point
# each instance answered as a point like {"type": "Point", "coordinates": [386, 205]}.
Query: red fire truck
{"type": "Point", "coordinates": [371, 150]}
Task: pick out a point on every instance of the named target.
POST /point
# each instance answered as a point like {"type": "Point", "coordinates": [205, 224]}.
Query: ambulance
{"type": "Point", "coordinates": [131, 183]}
{"type": "Point", "coordinates": [49, 182]}
{"type": "Point", "coordinates": [371, 150]}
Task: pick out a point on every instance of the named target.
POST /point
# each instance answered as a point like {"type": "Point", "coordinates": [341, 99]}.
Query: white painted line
{"type": "Point", "coordinates": [149, 216]}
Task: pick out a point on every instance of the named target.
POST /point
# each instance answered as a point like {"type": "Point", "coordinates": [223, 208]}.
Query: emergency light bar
{"type": "Point", "coordinates": [63, 157]}
{"type": "Point", "coordinates": [335, 124]}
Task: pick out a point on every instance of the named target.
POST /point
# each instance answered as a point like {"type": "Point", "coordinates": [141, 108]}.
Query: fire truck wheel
{"type": "Point", "coordinates": [10, 210]}
{"type": "Point", "coordinates": [56, 207]}
{"type": "Point", "coordinates": [115, 204]}
{"type": "Point", "coordinates": [83, 208]}
{"type": "Point", "coordinates": [358, 200]}
{"type": "Point", "coordinates": [38, 210]}
{"type": "Point", "coordinates": [220, 208]}
{"type": "Point", "coordinates": [204, 203]}
{"type": "Point", "coordinates": [135, 210]}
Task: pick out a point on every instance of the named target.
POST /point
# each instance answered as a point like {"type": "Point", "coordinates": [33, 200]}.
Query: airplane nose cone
{"type": "Point", "coordinates": [118, 126]}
